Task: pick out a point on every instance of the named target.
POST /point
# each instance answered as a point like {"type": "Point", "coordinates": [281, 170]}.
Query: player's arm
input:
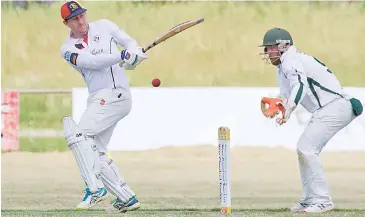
{"type": "Point", "coordinates": [270, 106]}
{"type": "Point", "coordinates": [294, 72]}
{"type": "Point", "coordinates": [121, 37]}
{"type": "Point", "coordinates": [82, 59]}
{"type": "Point", "coordinates": [128, 43]}
{"type": "Point", "coordinates": [132, 52]}
{"type": "Point", "coordinates": [298, 83]}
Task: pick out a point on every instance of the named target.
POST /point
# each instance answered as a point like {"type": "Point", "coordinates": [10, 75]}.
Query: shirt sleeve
{"type": "Point", "coordinates": [82, 59]}
{"type": "Point", "coordinates": [298, 83]}
{"type": "Point", "coordinates": [282, 94]}
{"type": "Point", "coordinates": [121, 37]}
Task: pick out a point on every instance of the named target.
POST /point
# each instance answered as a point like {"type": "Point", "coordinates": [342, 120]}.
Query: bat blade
{"type": "Point", "coordinates": [173, 31]}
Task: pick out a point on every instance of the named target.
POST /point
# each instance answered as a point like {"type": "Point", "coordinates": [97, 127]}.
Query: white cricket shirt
{"type": "Point", "coordinates": [97, 57]}
{"type": "Point", "coordinates": [305, 80]}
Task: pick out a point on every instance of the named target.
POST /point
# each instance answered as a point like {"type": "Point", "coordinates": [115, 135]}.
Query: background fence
{"type": "Point", "coordinates": [33, 113]}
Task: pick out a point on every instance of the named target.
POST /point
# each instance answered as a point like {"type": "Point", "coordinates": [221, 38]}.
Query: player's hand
{"type": "Point", "coordinates": [275, 107]}
{"type": "Point", "coordinates": [132, 59]}
{"type": "Point", "coordinates": [286, 112]}
{"type": "Point", "coordinates": [281, 121]}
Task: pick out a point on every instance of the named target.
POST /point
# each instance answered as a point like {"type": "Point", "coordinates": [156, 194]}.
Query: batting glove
{"type": "Point", "coordinates": [130, 60]}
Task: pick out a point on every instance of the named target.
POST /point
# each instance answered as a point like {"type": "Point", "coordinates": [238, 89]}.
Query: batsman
{"type": "Point", "coordinates": [91, 49]}
{"type": "Point", "coordinates": [305, 80]}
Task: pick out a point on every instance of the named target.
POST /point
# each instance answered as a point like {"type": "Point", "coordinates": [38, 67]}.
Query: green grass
{"type": "Point", "coordinates": [44, 111]}
{"type": "Point", "coordinates": [39, 144]}
{"type": "Point", "coordinates": [220, 52]}
{"type": "Point", "coordinates": [184, 213]}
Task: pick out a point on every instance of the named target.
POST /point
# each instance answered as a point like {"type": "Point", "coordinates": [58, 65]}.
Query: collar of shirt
{"type": "Point", "coordinates": [290, 50]}
{"type": "Point", "coordinates": [81, 43]}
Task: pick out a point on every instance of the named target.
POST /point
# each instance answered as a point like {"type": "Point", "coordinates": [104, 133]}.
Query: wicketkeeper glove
{"type": "Point", "coordinates": [130, 59]}
{"type": "Point", "coordinates": [275, 107]}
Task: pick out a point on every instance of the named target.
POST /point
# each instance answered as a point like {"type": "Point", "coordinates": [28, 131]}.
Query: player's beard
{"type": "Point", "coordinates": [275, 60]}
{"type": "Point", "coordinates": [83, 29]}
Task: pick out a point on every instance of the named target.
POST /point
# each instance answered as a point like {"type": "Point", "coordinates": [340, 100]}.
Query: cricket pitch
{"type": "Point", "coordinates": [181, 182]}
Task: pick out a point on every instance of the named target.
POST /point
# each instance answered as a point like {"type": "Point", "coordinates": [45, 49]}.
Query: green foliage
{"type": "Point", "coordinates": [39, 144]}
{"type": "Point", "coordinates": [221, 51]}
{"type": "Point", "coordinates": [43, 111]}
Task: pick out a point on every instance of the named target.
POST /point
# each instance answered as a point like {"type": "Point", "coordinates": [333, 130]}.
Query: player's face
{"type": "Point", "coordinates": [273, 53]}
{"type": "Point", "coordinates": [78, 24]}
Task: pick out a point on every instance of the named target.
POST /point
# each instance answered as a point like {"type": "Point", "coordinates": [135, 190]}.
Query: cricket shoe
{"type": "Point", "coordinates": [319, 208]}
{"type": "Point", "coordinates": [91, 199]}
{"type": "Point", "coordinates": [300, 207]}
{"type": "Point", "coordinates": [119, 207]}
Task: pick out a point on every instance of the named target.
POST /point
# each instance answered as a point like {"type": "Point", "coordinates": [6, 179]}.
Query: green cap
{"type": "Point", "coordinates": [276, 35]}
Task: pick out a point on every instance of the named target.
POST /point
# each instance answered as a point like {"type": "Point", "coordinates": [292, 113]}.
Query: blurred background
{"type": "Point", "coordinates": [221, 52]}
{"type": "Point", "coordinates": [211, 75]}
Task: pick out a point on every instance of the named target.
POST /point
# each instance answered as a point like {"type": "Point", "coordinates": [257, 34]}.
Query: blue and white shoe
{"type": "Point", "coordinates": [91, 200]}
{"type": "Point", "coordinates": [120, 207]}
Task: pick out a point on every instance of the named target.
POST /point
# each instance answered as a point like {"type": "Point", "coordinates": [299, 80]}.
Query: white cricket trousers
{"type": "Point", "coordinates": [325, 123]}
{"type": "Point", "coordinates": [104, 109]}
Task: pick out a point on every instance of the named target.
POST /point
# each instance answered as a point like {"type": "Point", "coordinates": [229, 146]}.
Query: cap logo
{"type": "Point", "coordinates": [283, 41]}
{"type": "Point", "coordinates": [73, 6]}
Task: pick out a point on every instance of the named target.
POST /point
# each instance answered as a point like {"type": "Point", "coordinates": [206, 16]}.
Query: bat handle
{"type": "Point", "coordinates": [146, 48]}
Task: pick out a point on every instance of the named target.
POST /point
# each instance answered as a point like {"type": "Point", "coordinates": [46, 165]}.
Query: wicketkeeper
{"type": "Point", "coordinates": [307, 81]}
{"type": "Point", "coordinates": [91, 49]}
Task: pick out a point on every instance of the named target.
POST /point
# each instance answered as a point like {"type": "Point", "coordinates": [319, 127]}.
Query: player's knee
{"type": "Point", "coordinates": [305, 150]}
{"type": "Point", "coordinates": [308, 146]}
{"type": "Point", "coordinates": [89, 126]}
{"type": "Point", "coordinates": [87, 129]}
{"type": "Point", "coordinates": [303, 147]}
{"type": "Point", "coordinates": [301, 151]}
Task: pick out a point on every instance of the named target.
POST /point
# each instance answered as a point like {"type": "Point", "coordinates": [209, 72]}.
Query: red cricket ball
{"type": "Point", "coordinates": [156, 82]}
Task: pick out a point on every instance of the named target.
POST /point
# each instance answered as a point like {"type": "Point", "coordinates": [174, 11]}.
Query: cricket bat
{"type": "Point", "coordinates": [171, 32]}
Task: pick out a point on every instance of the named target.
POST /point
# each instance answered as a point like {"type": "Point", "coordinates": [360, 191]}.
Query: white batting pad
{"type": "Point", "coordinates": [85, 152]}
{"type": "Point", "coordinates": [113, 181]}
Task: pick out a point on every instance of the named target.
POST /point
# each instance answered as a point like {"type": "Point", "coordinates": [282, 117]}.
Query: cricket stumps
{"type": "Point", "coordinates": [224, 170]}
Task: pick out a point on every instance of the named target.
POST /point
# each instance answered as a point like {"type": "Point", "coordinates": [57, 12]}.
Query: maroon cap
{"type": "Point", "coordinates": [71, 9]}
